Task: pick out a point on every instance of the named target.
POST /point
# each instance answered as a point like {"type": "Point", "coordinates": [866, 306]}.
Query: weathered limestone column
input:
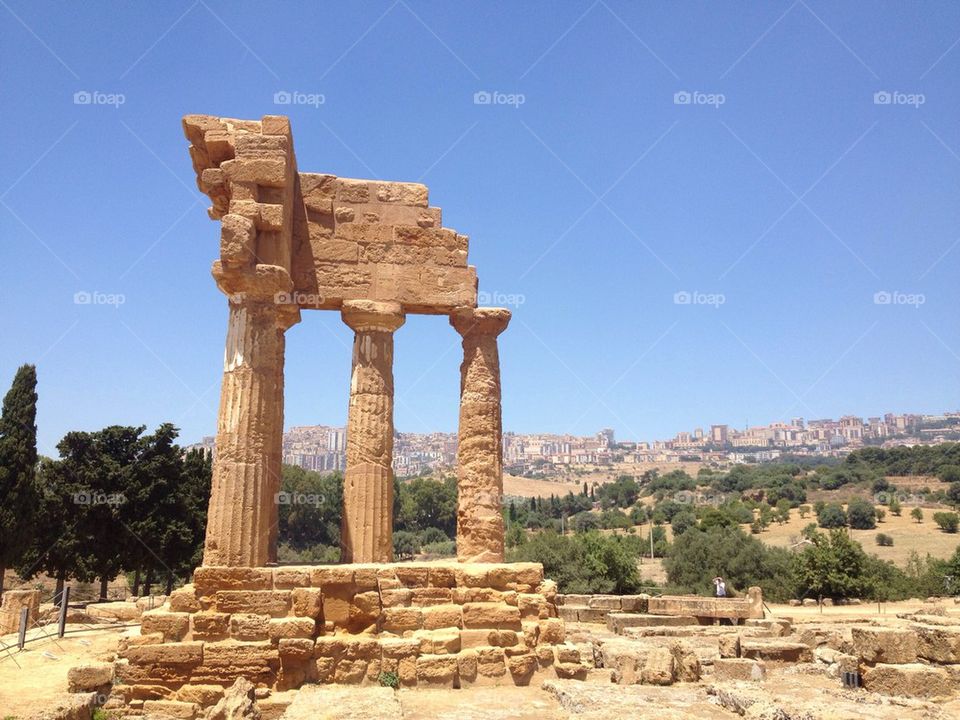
{"type": "Point", "coordinates": [480, 440]}
{"type": "Point", "coordinates": [367, 526]}
{"type": "Point", "coordinates": [242, 516]}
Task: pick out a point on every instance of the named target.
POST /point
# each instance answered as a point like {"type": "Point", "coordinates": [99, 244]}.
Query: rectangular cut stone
{"type": "Point", "coordinates": [183, 653]}
{"type": "Point", "coordinates": [885, 645]}
{"type": "Point", "coordinates": [436, 670]}
{"type": "Point", "coordinates": [275, 603]}
{"type": "Point", "coordinates": [937, 643]}
{"type": "Point", "coordinates": [909, 680]}
{"type": "Point", "coordinates": [291, 627]}
{"type": "Point", "coordinates": [208, 580]}
{"type": "Point", "coordinates": [776, 650]}
{"type": "Point", "coordinates": [750, 606]}
{"type": "Point", "coordinates": [491, 615]}
{"type": "Point", "coordinates": [331, 575]}
{"type": "Point", "coordinates": [173, 626]}
{"type": "Point", "coordinates": [402, 619]}
{"type": "Point", "coordinates": [210, 626]}
{"type": "Point", "coordinates": [244, 626]}
{"type": "Point", "coordinates": [239, 654]}
{"type": "Point", "coordinates": [438, 616]}
{"type": "Point", "coordinates": [286, 578]}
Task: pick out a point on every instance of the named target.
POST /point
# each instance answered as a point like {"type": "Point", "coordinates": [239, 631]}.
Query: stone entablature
{"type": "Point", "coordinates": [442, 624]}
{"type": "Point", "coordinates": [338, 239]}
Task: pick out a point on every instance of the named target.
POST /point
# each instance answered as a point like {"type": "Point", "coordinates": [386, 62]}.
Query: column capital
{"type": "Point", "coordinates": [372, 315]}
{"type": "Point", "coordinates": [480, 321]}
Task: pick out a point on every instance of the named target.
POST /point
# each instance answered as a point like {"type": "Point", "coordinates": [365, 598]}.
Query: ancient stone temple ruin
{"type": "Point", "coordinates": [375, 251]}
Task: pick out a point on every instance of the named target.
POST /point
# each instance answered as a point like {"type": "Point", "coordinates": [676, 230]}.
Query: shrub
{"type": "Point", "coordinates": [584, 563]}
{"type": "Point", "coordinates": [948, 521]}
{"type": "Point", "coordinates": [861, 515]}
{"type": "Point", "coordinates": [832, 516]}
{"type": "Point", "coordinates": [884, 540]}
{"type": "Point", "coordinates": [917, 514]}
{"type": "Point", "coordinates": [389, 679]}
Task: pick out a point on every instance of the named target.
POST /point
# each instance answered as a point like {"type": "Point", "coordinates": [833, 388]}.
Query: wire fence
{"type": "Point", "coordinates": [32, 631]}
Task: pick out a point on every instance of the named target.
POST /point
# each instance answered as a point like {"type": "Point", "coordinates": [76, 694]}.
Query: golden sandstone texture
{"type": "Point", "coordinates": [433, 624]}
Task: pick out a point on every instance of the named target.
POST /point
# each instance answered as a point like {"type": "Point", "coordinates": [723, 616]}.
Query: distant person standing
{"type": "Point", "coordinates": [721, 587]}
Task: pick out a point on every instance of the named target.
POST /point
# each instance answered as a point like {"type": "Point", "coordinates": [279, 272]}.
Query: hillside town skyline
{"type": "Point", "coordinates": [323, 447]}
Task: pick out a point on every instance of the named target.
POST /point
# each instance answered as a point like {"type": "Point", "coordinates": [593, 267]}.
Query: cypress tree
{"type": "Point", "coordinates": [18, 463]}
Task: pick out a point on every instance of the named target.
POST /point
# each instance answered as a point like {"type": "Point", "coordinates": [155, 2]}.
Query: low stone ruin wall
{"type": "Point", "coordinates": [428, 624]}
{"type": "Point", "coordinates": [619, 611]}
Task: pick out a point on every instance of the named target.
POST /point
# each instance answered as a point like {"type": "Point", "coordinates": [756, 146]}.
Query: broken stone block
{"type": "Point", "coordinates": [939, 644]}
{"type": "Point", "coordinates": [885, 645]}
{"type": "Point", "coordinates": [89, 678]}
{"type": "Point", "coordinates": [658, 668]}
{"type": "Point", "coordinates": [910, 680]}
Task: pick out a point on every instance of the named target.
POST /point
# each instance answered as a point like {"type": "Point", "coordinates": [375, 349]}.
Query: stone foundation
{"type": "Point", "coordinates": [437, 624]}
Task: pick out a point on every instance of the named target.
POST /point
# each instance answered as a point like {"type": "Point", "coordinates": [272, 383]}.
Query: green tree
{"type": "Point", "coordinates": [953, 494]}
{"type": "Point", "coordinates": [884, 540]}
{"type": "Point", "coordinates": [18, 463]}
{"type": "Point", "coordinates": [833, 566]}
{"type": "Point", "coordinates": [405, 544]}
{"type": "Point", "coordinates": [895, 507]}
{"type": "Point", "coordinates": [861, 515]}
{"type": "Point", "coordinates": [55, 547]}
{"type": "Point", "coordinates": [917, 514]}
{"type": "Point", "coordinates": [697, 556]}
{"type": "Point", "coordinates": [804, 510]}
{"type": "Point", "coordinates": [832, 516]}
{"type": "Point", "coordinates": [947, 521]}
{"type": "Point", "coordinates": [310, 508]}
{"type": "Point", "coordinates": [584, 563]}
{"type": "Point", "coordinates": [683, 521]}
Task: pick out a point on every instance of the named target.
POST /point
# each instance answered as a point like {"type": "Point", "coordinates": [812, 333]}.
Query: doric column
{"type": "Point", "coordinates": [367, 526]}
{"type": "Point", "coordinates": [480, 443]}
{"type": "Point", "coordinates": [242, 518]}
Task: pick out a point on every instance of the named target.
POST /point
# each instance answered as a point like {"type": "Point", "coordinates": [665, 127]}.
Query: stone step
{"type": "Point", "coordinates": [776, 651]}
{"type": "Point", "coordinates": [617, 622]}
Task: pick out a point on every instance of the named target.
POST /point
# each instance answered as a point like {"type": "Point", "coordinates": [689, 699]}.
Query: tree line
{"type": "Point", "coordinates": [115, 500]}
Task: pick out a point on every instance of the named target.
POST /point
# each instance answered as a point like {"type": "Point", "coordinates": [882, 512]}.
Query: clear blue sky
{"type": "Point", "coordinates": [797, 199]}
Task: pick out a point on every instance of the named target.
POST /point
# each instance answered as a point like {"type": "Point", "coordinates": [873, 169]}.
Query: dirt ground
{"type": "Point", "coordinates": [32, 680]}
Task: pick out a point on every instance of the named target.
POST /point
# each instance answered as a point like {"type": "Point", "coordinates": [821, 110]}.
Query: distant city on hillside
{"type": "Point", "coordinates": [323, 447]}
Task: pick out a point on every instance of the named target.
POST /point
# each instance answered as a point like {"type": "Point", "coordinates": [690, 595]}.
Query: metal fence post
{"type": "Point", "coordinates": [62, 619]}
{"type": "Point", "coordinates": [22, 636]}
